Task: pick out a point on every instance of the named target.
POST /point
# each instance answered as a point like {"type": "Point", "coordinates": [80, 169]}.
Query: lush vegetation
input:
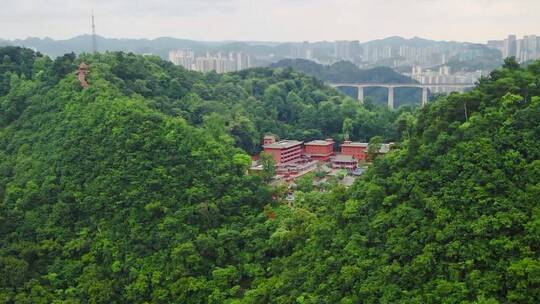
{"type": "Point", "coordinates": [451, 216]}
{"type": "Point", "coordinates": [250, 103]}
{"type": "Point", "coordinates": [135, 190]}
{"type": "Point", "coordinates": [107, 200]}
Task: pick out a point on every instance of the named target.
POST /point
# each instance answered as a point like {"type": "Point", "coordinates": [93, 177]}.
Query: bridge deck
{"type": "Point", "coordinates": [408, 85]}
{"type": "Point", "coordinates": [391, 86]}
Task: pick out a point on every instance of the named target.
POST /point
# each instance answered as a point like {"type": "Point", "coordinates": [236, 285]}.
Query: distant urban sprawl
{"type": "Point", "coordinates": [425, 61]}
{"type": "Point", "coordinates": [221, 63]}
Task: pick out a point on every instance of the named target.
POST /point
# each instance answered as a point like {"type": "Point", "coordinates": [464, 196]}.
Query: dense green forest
{"type": "Point", "coordinates": [250, 103]}
{"type": "Point", "coordinates": [451, 216]}
{"type": "Point", "coordinates": [347, 72]}
{"type": "Point", "coordinates": [135, 190]}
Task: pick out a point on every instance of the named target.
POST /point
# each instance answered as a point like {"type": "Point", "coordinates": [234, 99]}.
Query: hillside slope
{"type": "Point", "coordinates": [128, 192]}
{"type": "Point", "coordinates": [451, 216]}
{"type": "Point", "coordinates": [105, 200]}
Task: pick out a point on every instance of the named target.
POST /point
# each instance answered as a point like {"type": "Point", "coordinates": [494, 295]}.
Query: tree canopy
{"type": "Point", "coordinates": [135, 190]}
{"type": "Point", "coordinates": [449, 216]}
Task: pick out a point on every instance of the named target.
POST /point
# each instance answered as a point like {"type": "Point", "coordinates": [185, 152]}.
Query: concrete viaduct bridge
{"type": "Point", "coordinates": [391, 86]}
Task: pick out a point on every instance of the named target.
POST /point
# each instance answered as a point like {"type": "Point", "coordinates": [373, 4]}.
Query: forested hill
{"type": "Point", "coordinates": [451, 216]}
{"type": "Point", "coordinates": [135, 190]}
{"type": "Point", "coordinates": [344, 71]}
{"type": "Point", "coordinates": [250, 103]}
{"type": "Point", "coordinates": [104, 199]}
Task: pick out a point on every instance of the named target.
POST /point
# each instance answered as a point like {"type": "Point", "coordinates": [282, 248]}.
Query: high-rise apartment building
{"type": "Point", "coordinates": [301, 50]}
{"type": "Point", "coordinates": [510, 46]}
{"type": "Point", "coordinates": [347, 50]}
{"type": "Point", "coordinates": [341, 50]}
{"type": "Point", "coordinates": [220, 63]}
{"type": "Point", "coordinates": [241, 60]}
{"type": "Point", "coordinates": [183, 57]}
{"type": "Point", "coordinates": [527, 48]}
{"type": "Point", "coordinates": [205, 64]}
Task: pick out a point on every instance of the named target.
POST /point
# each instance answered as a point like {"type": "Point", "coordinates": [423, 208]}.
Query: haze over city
{"type": "Point", "coordinates": [272, 20]}
{"type": "Point", "coordinates": [269, 151]}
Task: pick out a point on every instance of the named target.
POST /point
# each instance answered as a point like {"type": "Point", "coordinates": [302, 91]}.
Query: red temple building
{"type": "Point", "coordinates": [294, 158]}
{"type": "Point", "coordinates": [342, 161]}
{"type": "Point", "coordinates": [284, 151]}
{"type": "Point", "coordinates": [292, 170]}
{"type": "Point", "coordinates": [320, 149]}
{"type": "Point", "coordinates": [355, 149]}
{"type": "Point", "coordinates": [360, 150]}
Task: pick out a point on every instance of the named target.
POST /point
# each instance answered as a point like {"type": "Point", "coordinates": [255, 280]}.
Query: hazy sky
{"type": "Point", "coordinates": [272, 20]}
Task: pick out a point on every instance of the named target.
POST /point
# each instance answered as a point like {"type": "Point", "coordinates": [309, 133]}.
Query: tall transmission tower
{"type": "Point", "coordinates": [94, 42]}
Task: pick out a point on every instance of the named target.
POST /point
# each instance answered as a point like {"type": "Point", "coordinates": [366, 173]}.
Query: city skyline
{"type": "Point", "coordinates": [220, 62]}
{"type": "Point", "coordinates": [247, 20]}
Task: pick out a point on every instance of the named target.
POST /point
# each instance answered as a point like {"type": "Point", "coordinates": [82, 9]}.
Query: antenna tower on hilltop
{"type": "Point", "coordinates": [94, 42]}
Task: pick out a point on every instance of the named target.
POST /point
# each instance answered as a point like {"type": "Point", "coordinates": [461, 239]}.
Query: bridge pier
{"type": "Point", "coordinates": [361, 94]}
{"type": "Point", "coordinates": [434, 88]}
{"type": "Point", "coordinates": [391, 97]}
{"type": "Point", "coordinates": [424, 96]}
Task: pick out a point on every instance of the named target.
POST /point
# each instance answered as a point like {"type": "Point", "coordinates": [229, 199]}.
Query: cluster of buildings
{"type": "Point", "coordinates": [365, 54]}
{"type": "Point", "coordinates": [220, 63]}
{"type": "Point", "coordinates": [408, 55]}
{"type": "Point", "coordinates": [295, 158]}
{"type": "Point", "coordinates": [527, 48]}
{"type": "Point", "coordinates": [404, 55]}
{"type": "Point", "coordinates": [393, 53]}
{"type": "Point", "coordinates": [397, 54]}
{"type": "Point", "coordinates": [443, 75]}
{"type": "Point", "coordinates": [348, 50]}
{"type": "Point", "coordinates": [302, 50]}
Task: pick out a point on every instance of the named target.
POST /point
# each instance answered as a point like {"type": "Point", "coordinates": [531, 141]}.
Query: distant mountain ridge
{"type": "Point", "coordinates": [395, 41]}
{"type": "Point", "coordinates": [83, 43]}
{"type": "Point", "coordinates": [160, 46]}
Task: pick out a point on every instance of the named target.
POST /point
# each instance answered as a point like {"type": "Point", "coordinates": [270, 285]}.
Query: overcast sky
{"type": "Point", "coordinates": [272, 20]}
